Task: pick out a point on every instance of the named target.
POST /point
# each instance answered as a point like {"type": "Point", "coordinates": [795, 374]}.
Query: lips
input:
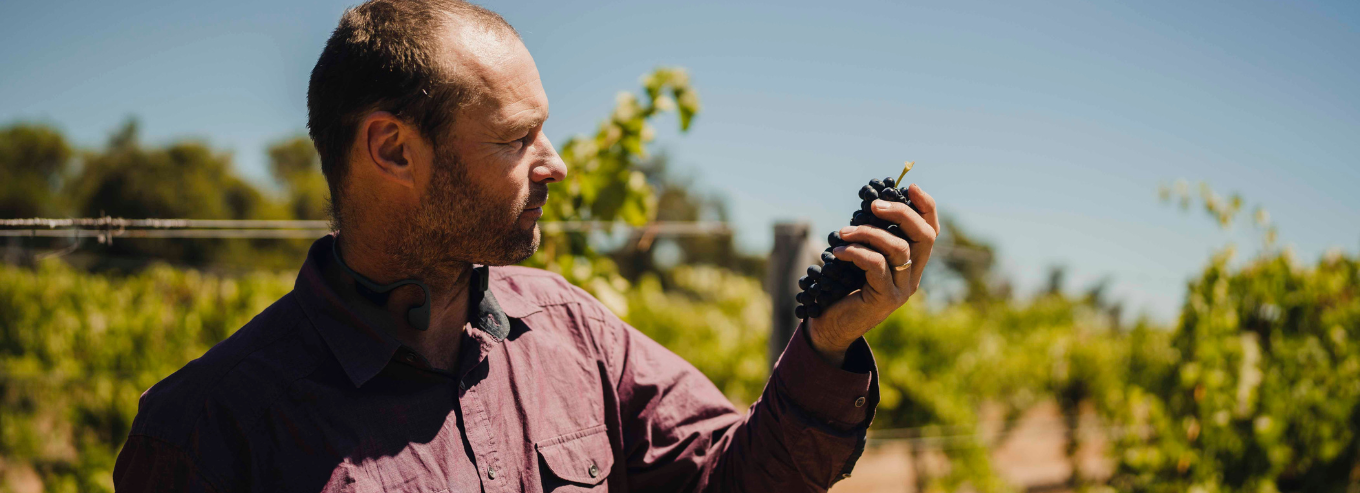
{"type": "Point", "coordinates": [533, 209]}
{"type": "Point", "coordinates": [537, 200]}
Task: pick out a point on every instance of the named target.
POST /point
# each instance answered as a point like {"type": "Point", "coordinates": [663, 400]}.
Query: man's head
{"type": "Point", "coordinates": [428, 117]}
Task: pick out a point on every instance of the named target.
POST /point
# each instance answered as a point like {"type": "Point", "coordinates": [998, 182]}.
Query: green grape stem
{"type": "Point", "coordinates": [905, 169]}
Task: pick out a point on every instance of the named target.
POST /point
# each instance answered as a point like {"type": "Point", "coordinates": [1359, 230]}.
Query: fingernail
{"type": "Point", "coordinates": [847, 230]}
{"type": "Point", "coordinates": [881, 205]}
{"type": "Point", "coordinates": [838, 249]}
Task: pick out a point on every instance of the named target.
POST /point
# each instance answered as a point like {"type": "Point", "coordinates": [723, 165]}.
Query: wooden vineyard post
{"type": "Point", "coordinates": [788, 261]}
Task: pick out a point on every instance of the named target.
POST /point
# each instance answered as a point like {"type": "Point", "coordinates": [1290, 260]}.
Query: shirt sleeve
{"type": "Point", "coordinates": [680, 433]}
{"type": "Point", "coordinates": [149, 465]}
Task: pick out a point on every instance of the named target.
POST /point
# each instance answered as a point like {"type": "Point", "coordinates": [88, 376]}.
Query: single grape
{"type": "Point", "coordinates": [860, 218]}
{"type": "Point", "coordinates": [814, 272]}
{"type": "Point", "coordinates": [831, 285]}
{"type": "Point", "coordinates": [877, 184]}
{"type": "Point", "coordinates": [868, 193]}
{"type": "Point", "coordinates": [838, 291]}
{"type": "Point", "coordinates": [814, 290]}
{"type": "Point", "coordinates": [834, 239]}
{"type": "Point", "coordinates": [889, 182]}
{"type": "Point", "coordinates": [867, 206]}
{"type": "Point", "coordinates": [891, 194]}
{"type": "Point", "coordinates": [800, 311]}
{"type": "Point", "coordinates": [827, 259]}
{"type": "Point", "coordinates": [848, 282]}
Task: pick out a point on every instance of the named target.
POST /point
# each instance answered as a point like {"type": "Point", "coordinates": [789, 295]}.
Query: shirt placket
{"type": "Point", "coordinates": [479, 429]}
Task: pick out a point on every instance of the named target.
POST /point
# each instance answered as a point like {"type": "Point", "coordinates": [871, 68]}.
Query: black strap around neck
{"type": "Point", "coordinates": [418, 316]}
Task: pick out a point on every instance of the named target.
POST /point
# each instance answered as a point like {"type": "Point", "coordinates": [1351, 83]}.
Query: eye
{"type": "Point", "coordinates": [522, 142]}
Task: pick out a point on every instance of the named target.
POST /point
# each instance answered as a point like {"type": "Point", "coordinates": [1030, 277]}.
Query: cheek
{"type": "Point", "coordinates": [507, 182]}
{"type": "Point", "coordinates": [500, 178]}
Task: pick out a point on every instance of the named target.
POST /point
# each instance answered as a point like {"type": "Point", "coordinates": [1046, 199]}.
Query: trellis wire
{"type": "Point", "coordinates": [106, 228]}
{"type": "Point", "coordinates": [922, 437]}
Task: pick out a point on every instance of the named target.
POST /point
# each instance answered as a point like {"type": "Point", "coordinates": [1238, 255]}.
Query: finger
{"type": "Point", "coordinates": [926, 204]}
{"type": "Point", "coordinates": [877, 274]}
{"type": "Point", "coordinates": [915, 227]}
{"type": "Point", "coordinates": [893, 247]}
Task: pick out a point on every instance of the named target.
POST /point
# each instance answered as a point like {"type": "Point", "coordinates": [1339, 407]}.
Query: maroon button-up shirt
{"type": "Point", "coordinates": [552, 393]}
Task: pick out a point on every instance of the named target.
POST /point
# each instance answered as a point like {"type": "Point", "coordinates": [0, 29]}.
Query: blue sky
{"type": "Point", "coordinates": [1045, 127]}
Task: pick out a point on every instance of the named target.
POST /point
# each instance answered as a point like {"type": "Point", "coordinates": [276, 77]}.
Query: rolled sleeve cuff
{"type": "Point", "coordinates": [842, 397]}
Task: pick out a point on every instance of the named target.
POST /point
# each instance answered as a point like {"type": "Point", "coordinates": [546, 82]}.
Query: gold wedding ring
{"type": "Point", "coordinates": [900, 268]}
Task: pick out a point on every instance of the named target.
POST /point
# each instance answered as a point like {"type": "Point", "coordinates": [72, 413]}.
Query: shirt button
{"type": "Point", "coordinates": [491, 472]}
{"type": "Point", "coordinates": [594, 470]}
{"type": "Point", "coordinates": [462, 385]}
{"type": "Point", "coordinates": [859, 402]}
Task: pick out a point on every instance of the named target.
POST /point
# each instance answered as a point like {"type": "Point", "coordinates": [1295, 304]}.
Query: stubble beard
{"type": "Point", "coordinates": [460, 223]}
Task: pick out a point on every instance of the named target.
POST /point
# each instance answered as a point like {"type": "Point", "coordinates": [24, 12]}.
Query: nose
{"type": "Point", "coordinates": [550, 167]}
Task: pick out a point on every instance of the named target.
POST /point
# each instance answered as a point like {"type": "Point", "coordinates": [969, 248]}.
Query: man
{"type": "Point", "coordinates": [400, 362]}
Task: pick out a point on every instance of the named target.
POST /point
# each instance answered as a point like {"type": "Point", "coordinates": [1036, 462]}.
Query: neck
{"type": "Point", "coordinates": [367, 255]}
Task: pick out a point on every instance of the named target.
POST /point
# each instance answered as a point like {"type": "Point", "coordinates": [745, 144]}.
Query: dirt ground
{"type": "Point", "coordinates": [1031, 456]}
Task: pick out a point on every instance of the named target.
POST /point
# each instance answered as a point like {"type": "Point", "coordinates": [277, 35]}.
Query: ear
{"type": "Point", "coordinates": [392, 147]}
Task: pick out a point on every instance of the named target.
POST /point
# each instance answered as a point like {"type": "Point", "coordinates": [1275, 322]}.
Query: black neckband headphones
{"type": "Point", "coordinates": [418, 316]}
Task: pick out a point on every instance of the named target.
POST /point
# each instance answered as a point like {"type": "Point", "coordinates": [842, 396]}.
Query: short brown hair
{"type": "Point", "coordinates": [382, 57]}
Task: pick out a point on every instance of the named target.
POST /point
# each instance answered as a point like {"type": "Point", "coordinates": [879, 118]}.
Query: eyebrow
{"type": "Point", "coordinates": [517, 129]}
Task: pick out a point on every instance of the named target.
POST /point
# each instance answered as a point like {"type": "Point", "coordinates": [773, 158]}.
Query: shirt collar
{"type": "Point", "coordinates": [354, 328]}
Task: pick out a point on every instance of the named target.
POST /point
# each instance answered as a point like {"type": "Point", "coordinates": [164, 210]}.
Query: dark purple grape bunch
{"type": "Point", "coordinates": [836, 278]}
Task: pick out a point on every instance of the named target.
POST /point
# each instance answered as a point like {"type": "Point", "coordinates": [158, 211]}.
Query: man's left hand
{"type": "Point", "coordinates": [877, 251]}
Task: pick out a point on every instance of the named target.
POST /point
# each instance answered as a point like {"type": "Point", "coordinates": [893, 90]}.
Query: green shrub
{"type": "Point", "coordinates": [1262, 392]}
{"type": "Point", "coordinates": [717, 320]}
{"type": "Point", "coordinates": [78, 349]}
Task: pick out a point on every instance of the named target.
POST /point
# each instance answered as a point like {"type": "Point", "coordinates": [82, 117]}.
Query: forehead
{"type": "Point", "coordinates": [501, 75]}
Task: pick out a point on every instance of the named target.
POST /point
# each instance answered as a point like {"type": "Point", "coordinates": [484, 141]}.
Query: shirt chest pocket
{"type": "Point", "coordinates": [577, 461]}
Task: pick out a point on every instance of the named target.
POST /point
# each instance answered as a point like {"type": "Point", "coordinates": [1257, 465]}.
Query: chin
{"type": "Point", "coordinates": [532, 247]}
{"type": "Point", "coordinates": [517, 249]}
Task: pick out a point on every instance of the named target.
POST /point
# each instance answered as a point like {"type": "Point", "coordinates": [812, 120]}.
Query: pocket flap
{"type": "Point", "coordinates": [580, 457]}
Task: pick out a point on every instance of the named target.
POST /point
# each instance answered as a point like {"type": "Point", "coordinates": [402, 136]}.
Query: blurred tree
{"type": "Point", "coordinates": [678, 200]}
{"type": "Point", "coordinates": [184, 179]}
{"type": "Point", "coordinates": [972, 261]}
{"type": "Point", "coordinates": [33, 158]}
{"type": "Point", "coordinates": [297, 168]}
{"type": "Point", "coordinates": [604, 184]}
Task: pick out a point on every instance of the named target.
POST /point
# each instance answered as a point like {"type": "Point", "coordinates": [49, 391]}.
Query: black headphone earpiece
{"type": "Point", "coordinates": [418, 317]}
